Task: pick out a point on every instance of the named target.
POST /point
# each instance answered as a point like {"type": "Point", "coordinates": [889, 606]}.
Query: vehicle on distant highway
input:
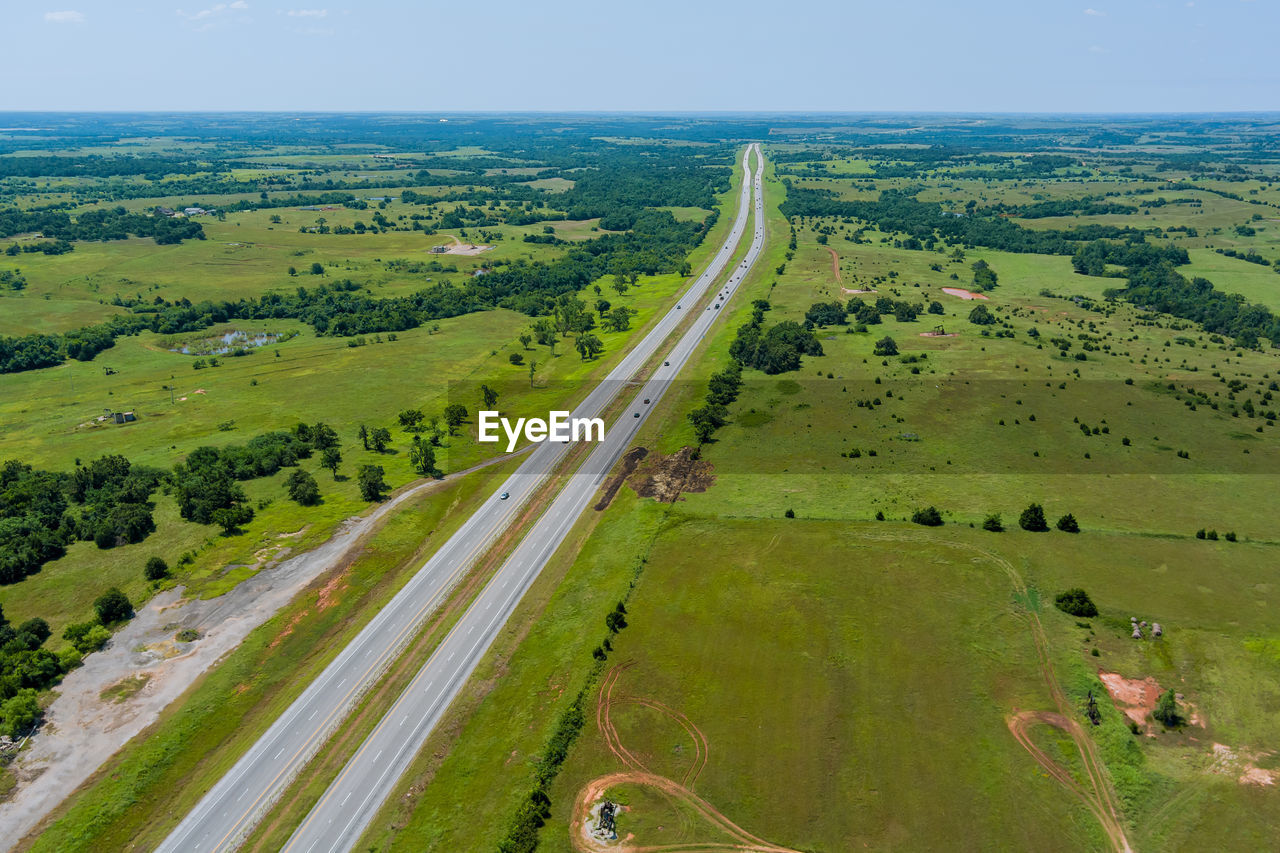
{"type": "Point", "coordinates": [504, 496]}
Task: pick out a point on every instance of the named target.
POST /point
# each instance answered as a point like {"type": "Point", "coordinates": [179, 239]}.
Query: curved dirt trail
{"type": "Point", "coordinates": [640, 775]}
{"type": "Point", "coordinates": [1100, 799]}
{"type": "Point", "coordinates": [835, 264]}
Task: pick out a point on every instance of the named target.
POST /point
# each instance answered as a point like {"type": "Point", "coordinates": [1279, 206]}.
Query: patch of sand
{"type": "Point", "coordinates": [1239, 763]}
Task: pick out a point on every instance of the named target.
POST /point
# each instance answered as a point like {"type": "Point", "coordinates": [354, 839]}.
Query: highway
{"type": "Point", "coordinates": [231, 808]}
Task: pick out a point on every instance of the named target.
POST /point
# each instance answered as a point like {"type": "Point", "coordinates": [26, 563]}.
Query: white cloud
{"type": "Point", "coordinates": [68, 17]}
{"type": "Point", "coordinates": [308, 13]}
{"type": "Point", "coordinates": [215, 11]}
{"type": "Point", "coordinates": [1095, 13]}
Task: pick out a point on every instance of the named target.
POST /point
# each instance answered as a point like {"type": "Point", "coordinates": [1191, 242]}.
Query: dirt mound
{"type": "Point", "coordinates": [629, 463]}
{"type": "Point", "coordinates": [1136, 698]}
{"type": "Point", "coordinates": [664, 478]}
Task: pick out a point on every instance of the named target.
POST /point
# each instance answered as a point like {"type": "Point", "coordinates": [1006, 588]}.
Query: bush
{"type": "Point", "coordinates": [1166, 711]}
{"type": "Point", "coordinates": [1068, 524]}
{"type": "Point", "coordinates": [790, 513]}
{"type": "Point", "coordinates": [993, 523]}
{"type": "Point", "coordinates": [113, 606]}
{"type": "Point", "coordinates": [1032, 519]}
{"type": "Point", "coordinates": [1076, 602]}
{"type": "Point", "coordinates": [19, 713]}
{"type": "Point", "coordinates": [929, 517]}
{"type": "Point", "coordinates": [86, 637]}
{"type": "Point", "coordinates": [1230, 537]}
{"type": "Point", "coordinates": [157, 569]}
{"type": "Point", "coordinates": [187, 635]}
{"type": "Point", "coordinates": [516, 358]}
{"type": "Point", "coordinates": [303, 488]}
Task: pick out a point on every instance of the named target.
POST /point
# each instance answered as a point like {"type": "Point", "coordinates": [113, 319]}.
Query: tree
{"type": "Point", "coordinates": [984, 277]}
{"type": "Point", "coordinates": [1076, 602]}
{"type": "Point", "coordinates": [489, 396]}
{"type": "Point", "coordinates": [707, 419]}
{"type": "Point", "coordinates": [324, 436]}
{"type": "Point", "coordinates": [379, 438]}
{"type": "Point", "coordinates": [303, 488]}
{"type": "Point", "coordinates": [317, 269]}
{"type": "Point", "coordinates": [980, 316]}
{"type": "Point", "coordinates": [113, 606]}
{"type": "Point", "coordinates": [886, 346]}
{"type": "Point", "coordinates": [935, 307]}
{"type": "Point", "coordinates": [156, 569]}
{"type": "Point", "coordinates": [588, 346]}
{"type": "Point", "coordinates": [993, 523]}
{"type": "Point", "coordinates": [516, 359]}
{"type": "Point", "coordinates": [1032, 519]}
{"type": "Point", "coordinates": [372, 486]}
{"type": "Point", "coordinates": [422, 456]}
{"type": "Point", "coordinates": [232, 518]}
{"type": "Point", "coordinates": [293, 271]}
{"type": "Point", "coordinates": [526, 339]}
{"type": "Point", "coordinates": [929, 517]}
{"type": "Point", "coordinates": [1166, 711]}
{"type": "Point", "coordinates": [331, 458]}
{"type": "Point", "coordinates": [454, 415]}
{"type": "Point", "coordinates": [533, 365]}
{"type": "Point", "coordinates": [410, 419]}
{"type": "Point", "coordinates": [616, 620]}
{"type": "Point", "coordinates": [19, 713]}
{"type": "Point", "coordinates": [619, 318]}
{"type": "Point", "coordinates": [1068, 524]}
{"type": "Point", "coordinates": [364, 436]}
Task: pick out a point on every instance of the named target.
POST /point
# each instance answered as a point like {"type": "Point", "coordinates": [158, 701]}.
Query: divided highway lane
{"type": "Point", "coordinates": [346, 808]}
{"type": "Point", "coordinates": [231, 808]}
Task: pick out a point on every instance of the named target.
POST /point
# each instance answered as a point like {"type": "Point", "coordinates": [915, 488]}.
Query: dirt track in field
{"type": "Point", "coordinates": [638, 774]}
{"type": "Point", "coordinates": [835, 264]}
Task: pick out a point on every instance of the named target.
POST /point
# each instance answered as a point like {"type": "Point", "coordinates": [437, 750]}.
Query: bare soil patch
{"type": "Point", "coordinates": [1135, 698]}
{"type": "Point", "coordinates": [629, 463]}
{"type": "Point", "coordinates": [664, 478]}
{"type": "Point", "coordinates": [964, 294]}
{"type": "Point", "coordinates": [1239, 763]}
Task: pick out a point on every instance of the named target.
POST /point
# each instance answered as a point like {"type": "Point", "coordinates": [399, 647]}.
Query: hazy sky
{"type": "Point", "coordinates": [947, 55]}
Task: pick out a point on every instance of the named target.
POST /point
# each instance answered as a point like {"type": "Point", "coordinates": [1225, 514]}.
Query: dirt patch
{"type": "Point", "coordinates": [835, 264]}
{"type": "Point", "coordinates": [1240, 764]}
{"type": "Point", "coordinates": [457, 247]}
{"type": "Point", "coordinates": [329, 592]}
{"type": "Point", "coordinates": [847, 290]}
{"type": "Point", "coordinates": [964, 294]}
{"type": "Point", "coordinates": [629, 463]}
{"type": "Point", "coordinates": [1135, 698]}
{"type": "Point", "coordinates": [665, 478]}
{"type": "Point", "coordinates": [939, 334]}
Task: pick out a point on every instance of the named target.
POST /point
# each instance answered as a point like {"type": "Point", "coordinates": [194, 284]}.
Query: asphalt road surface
{"type": "Point", "coordinates": [231, 808]}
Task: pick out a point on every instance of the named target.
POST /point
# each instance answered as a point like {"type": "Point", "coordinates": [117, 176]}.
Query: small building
{"type": "Point", "coordinates": [194, 211]}
{"type": "Point", "coordinates": [438, 250]}
{"type": "Point", "coordinates": [161, 210]}
{"type": "Point", "coordinates": [124, 417]}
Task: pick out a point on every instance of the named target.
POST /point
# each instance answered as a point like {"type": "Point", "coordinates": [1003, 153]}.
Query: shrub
{"type": "Point", "coordinates": [929, 517]}
{"type": "Point", "coordinates": [1166, 711]}
{"type": "Point", "coordinates": [1032, 519]}
{"type": "Point", "coordinates": [113, 606]}
{"type": "Point", "coordinates": [1230, 537]}
{"type": "Point", "coordinates": [303, 488]}
{"type": "Point", "coordinates": [1076, 602]}
{"type": "Point", "coordinates": [86, 637]}
{"type": "Point", "coordinates": [156, 569]}
{"type": "Point", "coordinates": [993, 523]}
{"type": "Point", "coordinates": [790, 513]}
{"type": "Point", "coordinates": [516, 358]}
{"type": "Point", "coordinates": [1068, 524]}
{"type": "Point", "coordinates": [372, 486]}
{"type": "Point", "coordinates": [187, 635]}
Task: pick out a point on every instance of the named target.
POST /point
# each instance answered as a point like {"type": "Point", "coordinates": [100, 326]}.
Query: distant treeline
{"type": "Point", "coordinates": [657, 243]}
{"type": "Point", "coordinates": [897, 211]}
{"type": "Point", "coordinates": [97, 166]}
{"type": "Point", "coordinates": [105, 224]}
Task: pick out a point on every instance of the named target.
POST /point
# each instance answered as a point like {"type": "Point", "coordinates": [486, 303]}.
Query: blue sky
{"type": "Point", "coordinates": [652, 55]}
